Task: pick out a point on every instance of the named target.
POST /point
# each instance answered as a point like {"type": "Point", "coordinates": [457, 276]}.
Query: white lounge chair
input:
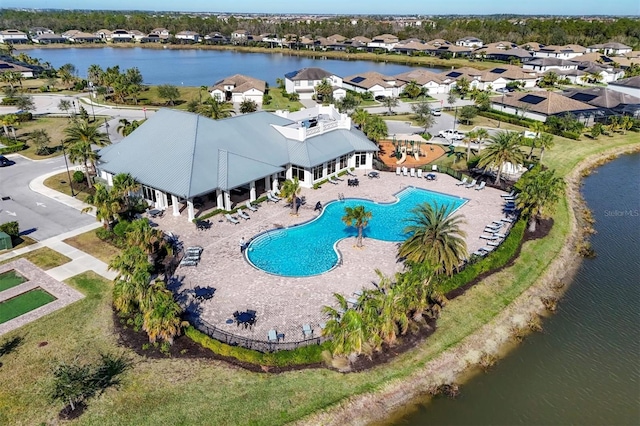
{"type": "Point", "coordinates": [243, 215]}
{"type": "Point", "coordinates": [273, 336]}
{"type": "Point", "coordinates": [231, 219]}
{"type": "Point", "coordinates": [472, 184]}
{"type": "Point", "coordinates": [350, 173]}
{"type": "Point", "coordinates": [462, 182]}
{"type": "Point", "coordinates": [419, 173]}
{"type": "Point", "coordinates": [332, 179]}
{"type": "Point", "coordinates": [251, 206]}
{"type": "Point", "coordinates": [398, 171]}
{"type": "Point", "coordinates": [488, 237]}
{"type": "Point", "coordinates": [511, 194]}
{"type": "Point", "coordinates": [412, 172]}
{"type": "Point", "coordinates": [307, 331]}
{"type": "Point", "coordinates": [271, 198]}
{"type": "Point", "coordinates": [493, 243]}
{"type": "Point", "coordinates": [404, 171]}
{"type": "Point", "coordinates": [481, 186]}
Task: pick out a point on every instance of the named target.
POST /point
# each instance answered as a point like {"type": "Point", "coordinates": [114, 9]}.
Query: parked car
{"type": "Point", "coordinates": [436, 112]}
{"type": "Point", "coordinates": [4, 161]}
{"type": "Point", "coordinates": [451, 134]}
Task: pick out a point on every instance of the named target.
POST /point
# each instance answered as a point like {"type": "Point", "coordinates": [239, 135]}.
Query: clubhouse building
{"type": "Point", "coordinates": [181, 159]}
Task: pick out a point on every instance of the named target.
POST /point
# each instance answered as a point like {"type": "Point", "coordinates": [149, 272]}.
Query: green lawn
{"type": "Point", "coordinates": [10, 279]}
{"type": "Point", "coordinates": [44, 258]}
{"type": "Point", "coordinates": [60, 183]}
{"type": "Point", "coordinates": [188, 391]}
{"type": "Point", "coordinates": [279, 102]}
{"type": "Point", "coordinates": [23, 303]}
{"type": "Point", "coordinates": [91, 244]}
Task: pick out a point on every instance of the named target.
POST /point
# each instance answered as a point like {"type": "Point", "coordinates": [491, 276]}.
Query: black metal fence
{"type": "Point", "coordinates": [245, 342]}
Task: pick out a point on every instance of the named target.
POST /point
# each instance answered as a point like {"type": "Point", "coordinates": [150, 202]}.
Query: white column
{"type": "Point", "coordinates": [267, 183]}
{"type": "Point", "coordinates": [192, 215]}
{"type": "Point", "coordinates": [275, 182]}
{"type": "Point", "coordinates": [252, 190]}
{"type": "Point", "coordinates": [219, 199]}
{"type": "Point", "coordinates": [227, 201]}
{"type": "Point", "coordinates": [176, 205]}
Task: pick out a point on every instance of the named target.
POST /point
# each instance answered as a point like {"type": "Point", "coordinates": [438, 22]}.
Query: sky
{"type": "Point", "coordinates": [407, 7]}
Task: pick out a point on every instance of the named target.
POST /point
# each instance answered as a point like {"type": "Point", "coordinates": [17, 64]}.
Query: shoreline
{"type": "Point", "coordinates": [460, 363]}
{"type": "Point", "coordinates": [416, 61]}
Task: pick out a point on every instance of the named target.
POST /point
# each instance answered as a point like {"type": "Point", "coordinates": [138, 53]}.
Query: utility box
{"type": "Point", "coordinates": [5, 241]}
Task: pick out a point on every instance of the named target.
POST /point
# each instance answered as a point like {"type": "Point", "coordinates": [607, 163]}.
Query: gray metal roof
{"type": "Point", "coordinates": [188, 155]}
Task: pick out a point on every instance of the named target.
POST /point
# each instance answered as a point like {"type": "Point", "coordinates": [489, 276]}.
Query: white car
{"type": "Point", "coordinates": [437, 112]}
{"type": "Point", "coordinates": [451, 134]}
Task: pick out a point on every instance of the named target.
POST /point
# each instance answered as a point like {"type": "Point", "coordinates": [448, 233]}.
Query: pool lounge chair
{"type": "Point", "coordinates": [404, 171]}
{"type": "Point", "coordinates": [412, 172]}
{"type": "Point", "coordinates": [481, 186]}
{"type": "Point", "coordinates": [462, 182]}
{"type": "Point", "coordinates": [398, 171]}
{"type": "Point", "coordinates": [472, 184]}
{"type": "Point", "coordinates": [307, 331]}
{"type": "Point", "coordinates": [271, 198]}
{"type": "Point", "coordinates": [350, 173]}
{"type": "Point", "coordinates": [272, 335]}
{"type": "Point", "coordinates": [231, 219]}
{"type": "Point", "coordinates": [419, 173]}
{"type": "Point", "coordinates": [511, 194]}
{"type": "Point", "coordinates": [243, 215]}
{"type": "Point", "coordinates": [332, 180]}
{"type": "Point", "coordinates": [488, 237]}
{"type": "Point", "coordinates": [507, 220]}
{"type": "Point", "coordinates": [493, 243]}
{"type": "Point", "coordinates": [251, 206]}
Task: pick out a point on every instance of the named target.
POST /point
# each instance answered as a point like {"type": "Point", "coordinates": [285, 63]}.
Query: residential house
{"type": "Point", "coordinates": [25, 72]}
{"type": "Point", "coordinates": [234, 160]}
{"type": "Point", "coordinates": [12, 36]}
{"type": "Point", "coordinates": [410, 47]}
{"type": "Point", "coordinates": [375, 83]}
{"type": "Point", "coordinates": [630, 86]}
{"type": "Point", "coordinates": [337, 38]}
{"type": "Point", "coordinates": [48, 38]}
{"type": "Point", "coordinates": [610, 102]}
{"type": "Point", "coordinates": [304, 81]}
{"type": "Point", "coordinates": [611, 48]}
{"type": "Point", "coordinates": [502, 45]}
{"type": "Point", "coordinates": [76, 36]}
{"type": "Point", "coordinates": [431, 82]}
{"type": "Point", "coordinates": [137, 35]}
{"type": "Point", "coordinates": [561, 52]}
{"type": "Point", "coordinates": [546, 64]}
{"type": "Point", "coordinates": [493, 78]}
{"type": "Point", "coordinates": [36, 31]}
{"type": "Point", "coordinates": [506, 55]}
{"type": "Point", "coordinates": [383, 41]}
{"type": "Point", "coordinates": [531, 46]}
{"type": "Point", "coordinates": [216, 38]}
{"type": "Point", "coordinates": [542, 105]}
{"type": "Point", "coordinates": [161, 32]}
{"type": "Point", "coordinates": [450, 50]}
{"type": "Point", "coordinates": [104, 34]}
{"type": "Point", "coordinates": [238, 88]}
{"type": "Point", "coordinates": [273, 40]}
{"type": "Point", "coordinates": [121, 36]}
{"type": "Point", "coordinates": [607, 72]}
{"type": "Point", "coordinates": [472, 42]}
{"type": "Point", "coordinates": [188, 37]}
{"type": "Point", "coordinates": [240, 36]}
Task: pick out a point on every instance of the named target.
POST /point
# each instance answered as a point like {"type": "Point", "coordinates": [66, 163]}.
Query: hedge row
{"type": "Point", "coordinates": [311, 354]}
{"type": "Point", "coordinates": [506, 118]}
{"type": "Point", "coordinates": [13, 148]}
{"type": "Point", "coordinates": [496, 259]}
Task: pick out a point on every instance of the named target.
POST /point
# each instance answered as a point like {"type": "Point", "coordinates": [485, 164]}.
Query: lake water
{"type": "Point", "coordinates": [584, 368]}
{"type": "Point", "coordinates": [192, 67]}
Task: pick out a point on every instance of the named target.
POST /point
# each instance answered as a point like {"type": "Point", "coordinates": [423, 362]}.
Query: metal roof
{"type": "Point", "coordinates": [188, 155]}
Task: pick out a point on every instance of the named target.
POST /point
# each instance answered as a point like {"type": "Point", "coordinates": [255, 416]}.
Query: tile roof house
{"type": "Point", "coordinates": [494, 78]}
{"type": "Point", "coordinates": [13, 36]}
{"type": "Point", "coordinates": [568, 51]}
{"type": "Point", "coordinates": [48, 38]}
{"type": "Point", "coordinates": [77, 36]}
{"type": "Point", "coordinates": [188, 37]}
{"type": "Point", "coordinates": [611, 102]}
{"type": "Point", "coordinates": [238, 88]}
{"type": "Point", "coordinates": [630, 86]}
{"type": "Point", "coordinates": [611, 48]}
{"type": "Point", "coordinates": [383, 41]}
{"type": "Point", "coordinates": [498, 54]}
{"type": "Point", "coordinates": [25, 72]}
{"type": "Point", "coordinates": [542, 104]}
{"type": "Point", "coordinates": [375, 83]}
{"type": "Point", "coordinates": [121, 36]}
{"type": "Point", "coordinates": [473, 42]}
{"type": "Point", "coordinates": [546, 64]}
{"type": "Point", "coordinates": [410, 47]}
{"type": "Point", "coordinates": [304, 81]}
{"type": "Point", "coordinates": [430, 81]}
{"type": "Point", "coordinates": [187, 155]}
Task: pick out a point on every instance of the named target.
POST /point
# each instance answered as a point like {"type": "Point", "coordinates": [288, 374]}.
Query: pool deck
{"type": "Point", "coordinates": [285, 304]}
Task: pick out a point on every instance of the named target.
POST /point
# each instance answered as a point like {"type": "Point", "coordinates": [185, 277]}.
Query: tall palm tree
{"type": "Point", "coordinates": [161, 314]}
{"type": "Point", "coordinates": [95, 74]}
{"type": "Point", "coordinates": [360, 117]}
{"type": "Point", "coordinates": [539, 192]}
{"type": "Point", "coordinates": [123, 185]}
{"type": "Point", "coordinates": [290, 190]}
{"type": "Point", "coordinates": [375, 128]}
{"type": "Point", "coordinates": [132, 279]}
{"type": "Point", "coordinates": [80, 136]}
{"type": "Point", "coordinates": [482, 134]}
{"type": "Point", "coordinates": [126, 127]}
{"type": "Point", "coordinates": [347, 329]}
{"type": "Point", "coordinates": [435, 238]}
{"type": "Point", "coordinates": [216, 109]}
{"type": "Point", "coordinates": [324, 91]}
{"type": "Point", "coordinates": [107, 204]}
{"type": "Point", "coordinates": [357, 217]}
{"type": "Point", "coordinates": [146, 238]}
{"type": "Point", "coordinates": [471, 136]}
{"type": "Point", "coordinates": [504, 148]}
{"type": "Point", "coordinates": [545, 142]}
{"type": "Point", "coordinates": [538, 128]}
{"type": "Point", "coordinates": [391, 317]}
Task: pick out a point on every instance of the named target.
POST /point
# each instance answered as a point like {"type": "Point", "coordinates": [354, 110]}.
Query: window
{"type": "Point", "coordinates": [149, 193]}
{"type": "Point", "coordinates": [297, 172]}
{"type": "Point", "coordinates": [361, 159]}
{"type": "Point", "coordinates": [318, 172]}
{"type": "Point", "coordinates": [296, 83]}
{"type": "Point", "coordinates": [331, 167]}
{"type": "Point", "coordinates": [344, 161]}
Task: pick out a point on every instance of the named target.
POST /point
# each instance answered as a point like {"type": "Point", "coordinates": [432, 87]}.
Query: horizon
{"type": "Point", "coordinates": [622, 8]}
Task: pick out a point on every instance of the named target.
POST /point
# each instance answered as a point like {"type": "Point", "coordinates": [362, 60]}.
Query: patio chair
{"type": "Point", "coordinates": [398, 171]}
{"type": "Point", "coordinates": [488, 237]}
{"type": "Point", "coordinates": [307, 331]}
{"type": "Point", "coordinates": [511, 194]}
{"type": "Point", "coordinates": [332, 180]}
{"type": "Point", "coordinates": [479, 253]}
{"type": "Point", "coordinates": [322, 325]}
{"type": "Point", "coordinates": [231, 219]}
{"type": "Point", "coordinates": [273, 336]}
{"type": "Point", "coordinates": [472, 184]}
{"type": "Point", "coordinates": [352, 301]}
{"type": "Point", "coordinates": [271, 198]}
{"type": "Point", "coordinates": [462, 182]}
{"type": "Point", "coordinates": [243, 215]}
{"type": "Point", "coordinates": [412, 172]}
{"type": "Point", "coordinates": [251, 206]}
{"type": "Point", "coordinates": [481, 186]}
{"type": "Point", "coordinates": [419, 173]}
{"type": "Point", "coordinates": [493, 243]}
{"type": "Point", "coordinates": [404, 171]}
{"type": "Point", "coordinates": [507, 220]}
{"type": "Point", "coordinates": [350, 173]}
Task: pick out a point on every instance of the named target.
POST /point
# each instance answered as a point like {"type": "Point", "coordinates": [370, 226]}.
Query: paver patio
{"type": "Point", "coordinates": [284, 303]}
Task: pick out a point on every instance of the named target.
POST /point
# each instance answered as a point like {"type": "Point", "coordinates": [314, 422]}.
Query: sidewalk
{"type": "Point", "coordinates": [37, 185]}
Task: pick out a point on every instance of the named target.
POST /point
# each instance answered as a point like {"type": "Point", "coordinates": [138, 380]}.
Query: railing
{"type": "Point", "coordinates": [245, 342]}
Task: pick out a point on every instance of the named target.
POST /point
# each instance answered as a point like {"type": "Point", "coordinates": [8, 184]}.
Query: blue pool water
{"type": "Point", "coordinates": [309, 249]}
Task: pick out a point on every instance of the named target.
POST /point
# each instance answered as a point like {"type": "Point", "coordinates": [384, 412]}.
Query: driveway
{"type": "Point", "coordinates": [40, 216]}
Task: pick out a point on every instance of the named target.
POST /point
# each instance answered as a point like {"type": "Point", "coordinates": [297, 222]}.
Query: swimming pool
{"type": "Point", "coordinates": [309, 248]}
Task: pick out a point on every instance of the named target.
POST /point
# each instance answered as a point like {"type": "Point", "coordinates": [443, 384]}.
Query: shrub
{"type": "Point", "coordinates": [122, 228]}
{"type": "Point", "coordinates": [506, 118]}
{"type": "Point", "coordinates": [103, 233]}
{"type": "Point", "coordinates": [78, 176]}
{"type": "Point", "coordinates": [24, 116]}
{"type": "Point", "coordinates": [9, 101]}
{"type": "Point", "coordinates": [11, 228]}
{"type": "Point", "coordinates": [13, 148]}
{"type": "Point", "coordinates": [571, 135]}
{"type": "Point", "coordinates": [266, 98]}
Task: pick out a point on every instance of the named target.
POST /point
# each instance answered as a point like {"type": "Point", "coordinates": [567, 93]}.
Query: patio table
{"type": "Point", "coordinates": [154, 212]}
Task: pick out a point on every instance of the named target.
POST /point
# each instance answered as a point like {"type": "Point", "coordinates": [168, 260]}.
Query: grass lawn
{"type": "Point", "coordinates": [10, 279]}
{"type": "Point", "coordinates": [23, 303]}
{"type": "Point", "coordinates": [44, 258]}
{"type": "Point", "coordinates": [20, 242]}
{"type": "Point", "coordinates": [60, 183]}
{"type": "Point", "coordinates": [280, 102]}
{"type": "Point", "coordinates": [187, 391]}
{"type": "Point", "coordinates": [91, 244]}
{"type": "Point", "coordinates": [54, 126]}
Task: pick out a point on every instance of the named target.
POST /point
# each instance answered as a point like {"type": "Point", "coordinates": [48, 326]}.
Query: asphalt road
{"type": "Point", "coordinates": [39, 216]}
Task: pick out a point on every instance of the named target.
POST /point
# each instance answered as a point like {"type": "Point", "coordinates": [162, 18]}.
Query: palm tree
{"type": "Point", "coordinates": [126, 127]}
{"type": "Point", "coordinates": [390, 102]}
{"type": "Point", "coordinates": [146, 238]}
{"type": "Point", "coordinates": [452, 99]}
{"type": "Point", "coordinates": [216, 109]}
{"type": "Point", "coordinates": [161, 314]}
{"type": "Point", "coordinates": [375, 128]}
{"type": "Point", "coordinates": [539, 194]}
{"type": "Point", "coordinates": [80, 136]}
{"type": "Point", "coordinates": [545, 142]}
{"type": "Point", "coordinates": [504, 148]}
{"type": "Point", "coordinates": [247, 106]}
{"type": "Point", "coordinates": [123, 185]}
{"type": "Point", "coordinates": [324, 91]}
{"type": "Point", "coordinates": [347, 329]}
{"type": "Point", "coordinates": [131, 282]}
{"type": "Point", "coordinates": [415, 285]}
{"type": "Point", "coordinates": [290, 190]}
{"type": "Point", "coordinates": [357, 217]}
{"type": "Point", "coordinates": [391, 316]}
{"type": "Point", "coordinates": [412, 90]}
{"type": "Point", "coordinates": [203, 89]}
{"type": "Point", "coordinates": [538, 128]}
{"type": "Point", "coordinates": [435, 238]}
{"type": "Point", "coordinates": [471, 136]}
{"type": "Point", "coordinates": [360, 117]}
{"type": "Point", "coordinates": [95, 74]}
{"type": "Point", "coordinates": [107, 204]}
